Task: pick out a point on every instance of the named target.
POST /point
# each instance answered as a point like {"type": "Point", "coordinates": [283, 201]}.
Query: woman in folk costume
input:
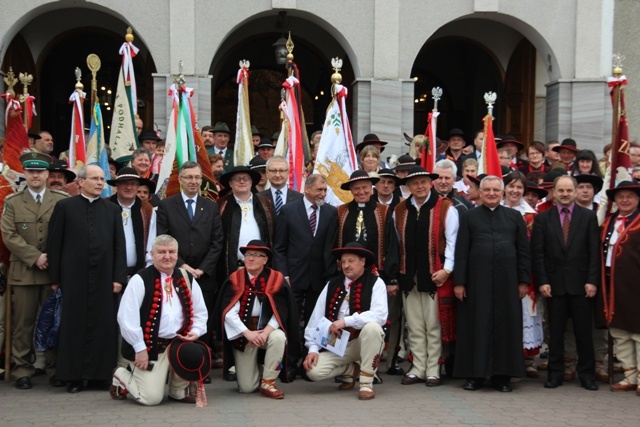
{"type": "Point", "coordinates": [515, 186]}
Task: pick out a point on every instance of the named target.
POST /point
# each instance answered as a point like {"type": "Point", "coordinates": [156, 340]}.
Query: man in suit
{"type": "Point", "coordinates": [305, 232]}
{"type": "Point", "coordinates": [194, 222]}
{"type": "Point", "coordinates": [25, 223]}
{"type": "Point", "coordinates": [566, 265]}
{"type": "Point", "coordinates": [278, 175]}
{"type": "Point", "coordinates": [221, 135]}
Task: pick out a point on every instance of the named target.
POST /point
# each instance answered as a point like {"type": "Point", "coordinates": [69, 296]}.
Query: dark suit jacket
{"type": "Point", "coordinates": [304, 258]}
{"type": "Point", "coordinates": [567, 270]}
{"type": "Point", "coordinates": [200, 241]}
{"type": "Point", "coordinates": [291, 196]}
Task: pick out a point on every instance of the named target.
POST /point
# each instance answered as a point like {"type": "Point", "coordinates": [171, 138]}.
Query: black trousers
{"type": "Point", "coordinates": [580, 310]}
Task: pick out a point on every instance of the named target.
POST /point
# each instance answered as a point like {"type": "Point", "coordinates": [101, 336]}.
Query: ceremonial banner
{"type": "Point", "coordinates": [295, 144]}
{"type": "Point", "coordinates": [336, 158]}
{"type": "Point", "coordinates": [96, 148]}
{"type": "Point", "coordinates": [243, 150]}
{"type": "Point", "coordinates": [429, 153]}
{"type": "Point", "coordinates": [124, 138]}
{"type": "Point", "coordinates": [490, 162]}
{"type": "Point", "coordinates": [77, 144]}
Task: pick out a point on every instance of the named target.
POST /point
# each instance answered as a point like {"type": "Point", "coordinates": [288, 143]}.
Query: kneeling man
{"type": "Point", "coordinates": [355, 301]}
{"type": "Point", "coordinates": [161, 304]}
{"type": "Point", "coordinates": [257, 311]}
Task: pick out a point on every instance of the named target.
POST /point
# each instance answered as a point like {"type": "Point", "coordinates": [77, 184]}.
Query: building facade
{"type": "Point", "coordinates": [547, 60]}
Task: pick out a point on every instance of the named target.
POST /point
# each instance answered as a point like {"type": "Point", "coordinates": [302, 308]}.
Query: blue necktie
{"type": "Point", "coordinates": [190, 208]}
{"type": "Point", "coordinates": [278, 201]}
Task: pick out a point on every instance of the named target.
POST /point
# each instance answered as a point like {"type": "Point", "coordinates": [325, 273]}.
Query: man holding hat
{"type": "Point", "coordinates": [59, 175]}
{"type": "Point", "coordinates": [355, 300]}
{"type": "Point", "coordinates": [427, 227]}
{"type": "Point", "coordinates": [162, 307]}
{"type": "Point", "coordinates": [457, 141]}
{"type": "Point", "coordinates": [25, 222]}
{"type": "Point", "coordinates": [221, 134]}
{"type": "Point", "coordinates": [620, 296]}
{"type": "Point", "coordinates": [257, 310]}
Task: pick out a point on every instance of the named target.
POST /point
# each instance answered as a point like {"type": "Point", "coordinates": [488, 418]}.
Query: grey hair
{"type": "Point", "coordinates": [447, 164]}
{"type": "Point", "coordinates": [82, 173]}
{"type": "Point", "coordinates": [492, 178]}
{"type": "Point", "coordinates": [277, 159]}
{"type": "Point", "coordinates": [139, 152]}
{"type": "Point", "coordinates": [163, 240]}
{"type": "Point", "coordinates": [313, 178]}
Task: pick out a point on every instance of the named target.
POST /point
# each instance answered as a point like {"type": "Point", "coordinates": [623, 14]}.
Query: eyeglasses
{"type": "Point", "coordinates": [241, 179]}
{"type": "Point", "coordinates": [255, 256]}
{"type": "Point", "coordinates": [277, 171]}
{"type": "Point", "coordinates": [192, 177]}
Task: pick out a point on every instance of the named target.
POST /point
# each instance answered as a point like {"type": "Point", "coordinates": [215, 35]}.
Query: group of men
{"type": "Point", "coordinates": [243, 274]}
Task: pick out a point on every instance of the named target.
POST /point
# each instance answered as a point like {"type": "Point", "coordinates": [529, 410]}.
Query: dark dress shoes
{"type": "Point", "coordinates": [53, 382]}
{"type": "Point", "coordinates": [411, 379]}
{"type": "Point", "coordinates": [589, 385]}
{"type": "Point", "coordinates": [288, 375]}
{"type": "Point", "coordinates": [433, 382]}
{"type": "Point", "coordinates": [23, 383]}
{"type": "Point", "coordinates": [472, 384]}
{"type": "Point", "coordinates": [552, 383]}
{"type": "Point", "coordinates": [395, 369]}
{"type": "Point", "coordinates": [230, 376]}
{"type": "Point", "coordinates": [74, 387]}
{"type": "Point", "coordinates": [503, 388]}
{"type": "Point", "coordinates": [207, 380]}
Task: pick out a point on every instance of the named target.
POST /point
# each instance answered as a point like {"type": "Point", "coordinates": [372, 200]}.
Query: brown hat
{"type": "Point", "coordinates": [256, 245]}
{"type": "Point", "coordinates": [568, 143]}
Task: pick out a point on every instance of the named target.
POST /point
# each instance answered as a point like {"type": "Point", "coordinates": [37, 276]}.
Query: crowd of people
{"type": "Point", "coordinates": [463, 275]}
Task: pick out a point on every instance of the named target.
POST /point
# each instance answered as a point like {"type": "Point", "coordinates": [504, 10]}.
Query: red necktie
{"type": "Point", "coordinates": [566, 224]}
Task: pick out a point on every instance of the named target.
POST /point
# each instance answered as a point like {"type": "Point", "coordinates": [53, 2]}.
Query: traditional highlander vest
{"type": "Point", "coordinates": [360, 293]}
{"type": "Point", "coordinates": [151, 309]}
{"type": "Point", "coordinates": [372, 236]}
{"type": "Point", "coordinates": [267, 285]}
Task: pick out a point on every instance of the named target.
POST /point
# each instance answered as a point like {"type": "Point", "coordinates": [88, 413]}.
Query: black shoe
{"type": "Point", "coordinates": [503, 388]}
{"type": "Point", "coordinates": [288, 375]}
{"type": "Point", "coordinates": [589, 385]}
{"type": "Point", "coordinates": [395, 369]}
{"type": "Point", "coordinates": [53, 382]}
{"type": "Point", "coordinates": [24, 383]}
{"type": "Point", "coordinates": [339, 379]}
{"type": "Point", "coordinates": [74, 387]}
{"type": "Point", "coordinates": [552, 383]}
{"type": "Point", "coordinates": [377, 379]}
{"type": "Point", "coordinates": [471, 385]}
{"type": "Point", "coordinates": [207, 380]}
{"type": "Point", "coordinates": [230, 376]}
{"type": "Point", "coordinates": [39, 372]}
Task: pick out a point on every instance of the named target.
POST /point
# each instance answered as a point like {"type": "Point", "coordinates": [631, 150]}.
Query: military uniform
{"type": "Point", "coordinates": [24, 231]}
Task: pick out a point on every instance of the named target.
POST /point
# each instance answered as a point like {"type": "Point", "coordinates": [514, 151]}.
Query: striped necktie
{"type": "Point", "coordinates": [278, 201]}
{"type": "Point", "coordinates": [566, 224]}
{"type": "Point", "coordinates": [313, 218]}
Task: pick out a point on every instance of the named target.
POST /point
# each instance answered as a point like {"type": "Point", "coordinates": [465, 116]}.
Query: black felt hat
{"type": "Point", "coordinates": [357, 249]}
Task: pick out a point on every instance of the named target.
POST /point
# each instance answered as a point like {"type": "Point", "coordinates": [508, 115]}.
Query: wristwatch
{"type": "Point", "coordinates": [446, 270]}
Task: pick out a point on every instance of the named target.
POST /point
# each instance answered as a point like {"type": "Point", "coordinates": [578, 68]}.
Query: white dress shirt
{"type": "Point", "coordinates": [377, 313]}
{"type": "Point", "coordinates": [249, 229]}
{"type": "Point", "coordinates": [171, 318]}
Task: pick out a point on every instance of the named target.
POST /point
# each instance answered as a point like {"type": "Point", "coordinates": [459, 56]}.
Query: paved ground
{"type": "Point", "coordinates": [321, 404]}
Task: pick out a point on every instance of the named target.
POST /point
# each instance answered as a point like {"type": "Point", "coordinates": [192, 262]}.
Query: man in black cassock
{"type": "Point", "coordinates": [493, 268]}
{"type": "Point", "coordinates": [87, 260]}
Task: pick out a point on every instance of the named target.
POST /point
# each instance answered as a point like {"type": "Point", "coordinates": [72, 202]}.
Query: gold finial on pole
{"type": "Point", "coordinates": [617, 61]}
{"type": "Point", "coordinates": [94, 64]}
{"type": "Point", "coordinates": [336, 64]}
{"type": "Point", "coordinates": [10, 80]}
{"type": "Point", "coordinates": [490, 99]}
{"type": "Point", "coordinates": [26, 79]}
{"type": "Point", "coordinates": [129, 36]}
{"type": "Point", "coordinates": [289, 45]}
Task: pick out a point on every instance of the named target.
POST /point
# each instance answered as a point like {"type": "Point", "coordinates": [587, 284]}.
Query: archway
{"type": "Point", "coordinates": [50, 49]}
{"type": "Point", "coordinates": [253, 40]}
{"type": "Point", "coordinates": [468, 58]}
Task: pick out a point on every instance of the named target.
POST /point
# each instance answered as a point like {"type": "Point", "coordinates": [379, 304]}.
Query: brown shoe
{"type": "Point", "coordinates": [411, 379]}
{"type": "Point", "coordinates": [117, 392]}
{"type": "Point", "coordinates": [603, 378]}
{"type": "Point", "coordinates": [366, 392]}
{"type": "Point", "coordinates": [624, 387]}
{"type": "Point", "coordinates": [268, 389]}
{"type": "Point", "coordinates": [354, 376]}
{"type": "Point", "coordinates": [433, 382]}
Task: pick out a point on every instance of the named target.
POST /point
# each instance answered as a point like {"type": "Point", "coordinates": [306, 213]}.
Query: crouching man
{"type": "Point", "coordinates": [355, 301]}
{"type": "Point", "coordinates": [160, 306]}
{"type": "Point", "coordinates": [256, 312]}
